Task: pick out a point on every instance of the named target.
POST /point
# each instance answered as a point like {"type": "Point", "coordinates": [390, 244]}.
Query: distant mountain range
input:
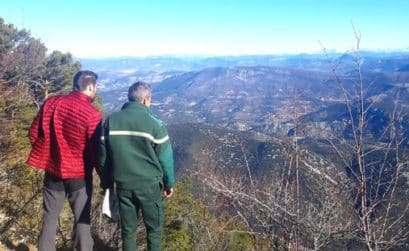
{"type": "Point", "coordinates": [390, 61]}
{"type": "Point", "coordinates": [266, 95]}
{"type": "Point", "coordinates": [241, 116]}
{"type": "Point", "coordinates": [271, 96]}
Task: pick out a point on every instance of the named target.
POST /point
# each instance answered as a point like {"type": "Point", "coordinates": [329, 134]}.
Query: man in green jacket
{"type": "Point", "coordinates": [136, 155]}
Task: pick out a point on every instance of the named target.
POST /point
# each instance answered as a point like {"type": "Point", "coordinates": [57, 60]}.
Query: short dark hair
{"type": "Point", "coordinates": [139, 91]}
{"type": "Point", "coordinates": [84, 78]}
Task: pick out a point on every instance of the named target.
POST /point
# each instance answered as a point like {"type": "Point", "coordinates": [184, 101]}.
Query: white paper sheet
{"type": "Point", "coordinates": [110, 205]}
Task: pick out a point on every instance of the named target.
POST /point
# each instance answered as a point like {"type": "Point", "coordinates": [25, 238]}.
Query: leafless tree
{"type": "Point", "coordinates": [377, 166]}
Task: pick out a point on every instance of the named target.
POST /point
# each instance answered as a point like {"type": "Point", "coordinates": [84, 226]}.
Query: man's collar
{"type": "Point", "coordinates": [135, 105]}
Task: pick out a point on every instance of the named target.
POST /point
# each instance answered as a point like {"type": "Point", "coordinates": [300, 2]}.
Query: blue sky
{"type": "Point", "coordinates": [107, 28]}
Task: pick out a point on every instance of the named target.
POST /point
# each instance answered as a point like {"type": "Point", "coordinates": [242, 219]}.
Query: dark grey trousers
{"type": "Point", "coordinates": [80, 203]}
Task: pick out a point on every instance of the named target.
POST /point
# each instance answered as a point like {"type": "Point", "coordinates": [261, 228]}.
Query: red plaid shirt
{"type": "Point", "coordinates": [63, 136]}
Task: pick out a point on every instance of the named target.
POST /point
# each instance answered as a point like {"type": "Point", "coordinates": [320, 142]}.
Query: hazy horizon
{"type": "Point", "coordinates": [203, 56]}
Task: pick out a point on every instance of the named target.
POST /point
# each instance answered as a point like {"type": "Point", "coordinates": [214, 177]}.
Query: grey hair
{"type": "Point", "coordinates": [139, 91]}
{"type": "Point", "coordinates": [84, 78]}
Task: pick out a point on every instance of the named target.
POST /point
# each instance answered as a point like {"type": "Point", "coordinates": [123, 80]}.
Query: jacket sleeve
{"type": "Point", "coordinates": [93, 132]}
{"type": "Point", "coordinates": [164, 152]}
{"type": "Point", "coordinates": [104, 164]}
{"type": "Point", "coordinates": [35, 128]}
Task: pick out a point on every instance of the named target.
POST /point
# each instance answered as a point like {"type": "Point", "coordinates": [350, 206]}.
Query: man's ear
{"type": "Point", "coordinates": [92, 88]}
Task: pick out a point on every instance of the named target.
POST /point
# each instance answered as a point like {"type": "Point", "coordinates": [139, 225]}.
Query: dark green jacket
{"type": "Point", "coordinates": [135, 149]}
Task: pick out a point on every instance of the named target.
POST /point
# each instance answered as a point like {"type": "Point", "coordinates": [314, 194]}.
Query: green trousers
{"type": "Point", "coordinates": [149, 200]}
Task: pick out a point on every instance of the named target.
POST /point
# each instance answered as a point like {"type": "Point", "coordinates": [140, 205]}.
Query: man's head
{"type": "Point", "coordinates": [86, 82]}
{"type": "Point", "coordinates": [140, 92]}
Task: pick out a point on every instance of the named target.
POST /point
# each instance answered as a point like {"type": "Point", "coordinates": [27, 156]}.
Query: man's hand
{"type": "Point", "coordinates": [168, 192]}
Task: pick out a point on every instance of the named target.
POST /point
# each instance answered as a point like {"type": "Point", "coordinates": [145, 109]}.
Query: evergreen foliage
{"type": "Point", "coordinates": [27, 76]}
